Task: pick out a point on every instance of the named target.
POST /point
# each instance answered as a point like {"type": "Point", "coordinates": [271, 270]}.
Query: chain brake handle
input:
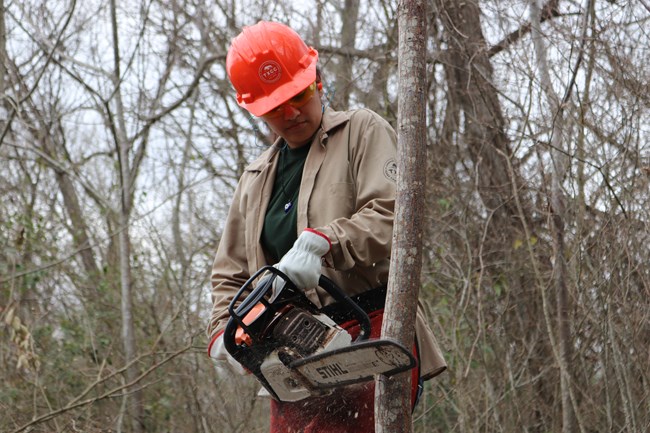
{"type": "Point", "coordinates": [244, 303]}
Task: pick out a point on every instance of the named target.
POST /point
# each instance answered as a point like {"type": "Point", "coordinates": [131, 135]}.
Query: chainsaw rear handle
{"type": "Point", "coordinates": [262, 293]}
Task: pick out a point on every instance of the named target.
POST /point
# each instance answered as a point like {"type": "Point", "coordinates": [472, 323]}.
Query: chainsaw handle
{"type": "Point", "coordinates": [250, 297]}
{"type": "Point", "coordinates": [339, 295]}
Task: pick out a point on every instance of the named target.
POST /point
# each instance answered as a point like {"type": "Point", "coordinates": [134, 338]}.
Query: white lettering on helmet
{"type": "Point", "coordinates": [270, 71]}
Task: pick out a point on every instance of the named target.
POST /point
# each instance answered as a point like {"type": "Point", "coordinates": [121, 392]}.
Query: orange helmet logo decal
{"type": "Point", "coordinates": [270, 71]}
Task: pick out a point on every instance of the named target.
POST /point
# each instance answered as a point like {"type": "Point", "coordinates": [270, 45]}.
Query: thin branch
{"type": "Point", "coordinates": [646, 4]}
{"type": "Point", "coordinates": [112, 393]}
{"type": "Point", "coordinates": [57, 166]}
{"type": "Point", "coordinates": [549, 11]}
{"type": "Point", "coordinates": [15, 106]}
{"type": "Point", "coordinates": [188, 92]}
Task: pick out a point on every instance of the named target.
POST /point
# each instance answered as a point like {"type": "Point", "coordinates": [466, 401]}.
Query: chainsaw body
{"type": "Point", "coordinates": [296, 351]}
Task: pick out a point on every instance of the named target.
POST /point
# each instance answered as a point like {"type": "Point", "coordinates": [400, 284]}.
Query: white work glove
{"type": "Point", "coordinates": [302, 263]}
{"type": "Point", "coordinates": [225, 361]}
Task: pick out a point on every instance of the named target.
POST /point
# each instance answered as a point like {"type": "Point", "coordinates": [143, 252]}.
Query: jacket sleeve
{"type": "Point", "coordinates": [230, 266]}
{"type": "Point", "coordinates": [365, 237]}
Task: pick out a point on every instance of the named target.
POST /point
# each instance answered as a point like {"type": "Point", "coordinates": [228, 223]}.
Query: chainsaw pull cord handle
{"type": "Point", "coordinates": [341, 296]}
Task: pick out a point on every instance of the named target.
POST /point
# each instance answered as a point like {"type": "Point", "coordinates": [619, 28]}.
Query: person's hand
{"type": "Point", "coordinates": [302, 263]}
{"type": "Point", "coordinates": [218, 352]}
{"type": "Point", "coordinates": [276, 286]}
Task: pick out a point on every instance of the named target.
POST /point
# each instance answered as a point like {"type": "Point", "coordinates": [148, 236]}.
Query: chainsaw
{"type": "Point", "coordinates": [297, 351]}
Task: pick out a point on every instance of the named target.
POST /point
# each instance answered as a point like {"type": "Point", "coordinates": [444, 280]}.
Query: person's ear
{"type": "Point", "coordinates": [320, 86]}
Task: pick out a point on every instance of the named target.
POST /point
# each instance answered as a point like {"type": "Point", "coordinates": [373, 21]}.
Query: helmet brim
{"type": "Point", "coordinates": [282, 93]}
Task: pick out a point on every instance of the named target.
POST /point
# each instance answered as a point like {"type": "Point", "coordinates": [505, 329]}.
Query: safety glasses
{"type": "Point", "coordinates": [297, 101]}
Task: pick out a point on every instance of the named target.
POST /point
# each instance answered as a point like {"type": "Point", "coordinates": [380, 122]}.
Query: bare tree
{"type": "Point", "coordinates": [563, 347]}
{"type": "Point", "coordinates": [393, 397]}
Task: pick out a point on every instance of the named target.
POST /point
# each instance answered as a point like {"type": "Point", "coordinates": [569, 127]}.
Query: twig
{"type": "Point", "coordinates": [14, 109]}
{"type": "Point", "coordinates": [112, 393]}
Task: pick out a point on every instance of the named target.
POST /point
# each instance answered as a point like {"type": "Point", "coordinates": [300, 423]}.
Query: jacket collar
{"type": "Point", "coordinates": [331, 120]}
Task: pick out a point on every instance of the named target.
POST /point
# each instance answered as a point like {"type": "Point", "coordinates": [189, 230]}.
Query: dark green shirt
{"type": "Point", "coordinates": [280, 223]}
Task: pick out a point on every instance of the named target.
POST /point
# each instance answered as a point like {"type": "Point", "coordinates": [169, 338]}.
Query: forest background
{"type": "Point", "coordinates": [121, 145]}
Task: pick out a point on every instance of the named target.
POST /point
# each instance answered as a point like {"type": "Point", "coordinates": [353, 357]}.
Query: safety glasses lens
{"type": "Point", "coordinates": [297, 101]}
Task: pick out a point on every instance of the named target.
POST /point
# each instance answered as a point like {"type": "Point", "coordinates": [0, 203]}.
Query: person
{"type": "Point", "coordinates": [319, 201]}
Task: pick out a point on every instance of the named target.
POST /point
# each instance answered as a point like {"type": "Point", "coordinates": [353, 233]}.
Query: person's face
{"type": "Point", "coordinates": [297, 119]}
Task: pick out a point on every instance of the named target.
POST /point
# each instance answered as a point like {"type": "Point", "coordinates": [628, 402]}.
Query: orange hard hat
{"type": "Point", "coordinates": [268, 64]}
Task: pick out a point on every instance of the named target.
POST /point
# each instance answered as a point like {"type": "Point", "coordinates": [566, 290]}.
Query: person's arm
{"type": "Point", "coordinates": [366, 237]}
{"type": "Point", "coordinates": [230, 267]}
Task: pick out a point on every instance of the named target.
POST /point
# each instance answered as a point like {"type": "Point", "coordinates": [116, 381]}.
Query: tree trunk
{"type": "Point", "coordinates": [123, 147]}
{"type": "Point", "coordinates": [563, 346]}
{"type": "Point", "coordinates": [4, 112]}
{"type": "Point", "coordinates": [345, 74]}
{"type": "Point", "coordinates": [393, 397]}
{"type": "Point", "coordinates": [471, 90]}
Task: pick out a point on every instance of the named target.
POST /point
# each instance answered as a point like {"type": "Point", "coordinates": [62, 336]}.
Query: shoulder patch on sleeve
{"type": "Point", "coordinates": [390, 170]}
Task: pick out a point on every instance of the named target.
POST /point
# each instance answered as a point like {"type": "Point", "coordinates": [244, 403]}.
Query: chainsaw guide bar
{"type": "Point", "coordinates": [356, 363]}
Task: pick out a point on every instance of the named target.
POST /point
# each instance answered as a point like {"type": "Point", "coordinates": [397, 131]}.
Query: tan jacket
{"type": "Point", "coordinates": [348, 193]}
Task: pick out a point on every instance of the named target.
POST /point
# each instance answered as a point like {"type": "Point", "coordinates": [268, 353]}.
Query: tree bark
{"type": "Point", "coordinates": [393, 396]}
{"type": "Point", "coordinates": [563, 348]}
{"type": "Point", "coordinates": [344, 75]}
{"type": "Point", "coordinates": [3, 56]}
{"type": "Point", "coordinates": [471, 90]}
{"type": "Point", "coordinates": [123, 148]}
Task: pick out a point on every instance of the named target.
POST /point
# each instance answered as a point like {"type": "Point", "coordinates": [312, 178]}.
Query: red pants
{"type": "Point", "coordinates": [348, 409]}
